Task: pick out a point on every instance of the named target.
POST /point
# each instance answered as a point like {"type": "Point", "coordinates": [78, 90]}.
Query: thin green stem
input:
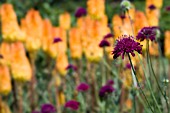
{"type": "Point", "coordinates": [150, 64]}
{"type": "Point", "coordinates": [139, 84]}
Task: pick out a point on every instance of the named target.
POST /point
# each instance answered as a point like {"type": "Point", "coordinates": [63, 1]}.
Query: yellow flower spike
{"type": "Point", "coordinates": [166, 46]}
{"type": "Point", "coordinates": [61, 98]}
{"type": "Point", "coordinates": [128, 104]}
{"type": "Point", "coordinates": [65, 21]}
{"type": "Point", "coordinates": [5, 51]}
{"type": "Point", "coordinates": [20, 66]}
{"type": "Point", "coordinates": [5, 80]}
{"type": "Point", "coordinates": [62, 63]}
{"type": "Point", "coordinates": [96, 8]}
{"type": "Point", "coordinates": [10, 29]}
{"type": "Point", "coordinates": [32, 26]}
{"type": "Point", "coordinates": [58, 81]}
{"type": "Point", "coordinates": [156, 3]}
{"type": "Point", "coordinates": [75, 43]}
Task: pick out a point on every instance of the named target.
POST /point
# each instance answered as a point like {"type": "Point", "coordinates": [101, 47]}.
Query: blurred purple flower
{"type": "Point", "coordinates": [152, 7]}
{"type": "Point", "coordinates": [80, 12]}
{"type": "Point", "coordinates": [71, 66]}
{"type": "Point", "coordinates": [109, 35]}
{"type": "Point", "coordinates": [126, 45]}
{"type": "Point", "coordinates": [105, 90]}
{"type": "Point", "coordinates": [110, 82]}
{"type": "Point", "coordinates": [104, 43]}
{"type": "Point", "coordinates": [128, 66]}
{"type": "Point", "coordinates": [57, 39]}
{"type": "Point", "coordinates": [147, 33]}
{"type": "Point", "coordinates": [83, 87]}
{"type": "Point", "coordinates": [167, 8]}
{"type": "Point", "coordinates": [48, 108]}
{"type": "Point", "coordinates": [72, 104]}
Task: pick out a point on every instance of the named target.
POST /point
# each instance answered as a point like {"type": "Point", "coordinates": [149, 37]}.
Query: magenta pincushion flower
{"type": "Point", "coordinates": [57, 39]}
{"type": "Point", "coordinates": [104, 43]}
{"type": "Point", "coordinates": [125, 45]}
{"type": "Point", "coordinates": [109, 35]}
{"type": "Point", "coordinates": [83, 87]}
{"type": "Point", "coordinates": [105, 90]}
{"type": "Point", "coordinates": [72, 104]}
{"type": "Point", "coordinates": [147, 33]}
{"type": "Point", "coordinates": [48, 108]}
{"type": "Point", "coordinates": [80, 12]}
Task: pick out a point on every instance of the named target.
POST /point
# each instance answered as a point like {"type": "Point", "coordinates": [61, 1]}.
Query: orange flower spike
{"type": "Point", "coordinates": [166, 46]}
{"type": "Point", "coordinates": [10, 28]}
{"type": "Point", "coordinates": [140, 21]}
{"type": "Point", "coordinates": [5, 80]}
{"type": "Point", "coordinates": [32, 25]}
{"type": "Point", "coordinates": [65, 20]}
{"type": "Point", "coordinates": [153, 16]}
{"type": "Point", "coordinates": [5, 51]}
{"type": "Point", "coordinates": [131, 12]}
{"type": "Point", "coordinates": [47, 35]}
{"type": "Point", "coordinates": [117, 26]}
{"type": "Point", "coordinates": [75, 43]}
{"type": "Point", "coordinates": [96, 8]}
{"type": "Point", "coordinates": [62, 63]}
{"type": "Point", "coordinates": [157, 3]}
{"type": "Point", "coordinates": [20, 66]}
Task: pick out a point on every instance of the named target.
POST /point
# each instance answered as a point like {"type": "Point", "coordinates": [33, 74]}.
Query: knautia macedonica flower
{"type": "Point", "coordinates": [110, 82]}
{"type": "Point", "coordinates": [72, 104]}
{"type": "Point", "coordinates": [147, 33]}
{"type": "Point", "coordinates": [109, 35]}
{"type": "Point", "coordinates": [83, 87]}
{"type": "Point", "coordinates": [125, 45]}
{"type": "Point", "coordinates": [152, 7]}
{"type": "Point", "coordinates": [57, 39]}
{"type": "Point", "coordinates": [71, 66]}
{"type": "Point", "coordinates": [48, 108]}
{"type": "Point", "coordinates": [105, 90]}
{"type": "Point", "coordinates": [167, 8]}
{"type": "Point", "coordinates": [104, 43]}
{"type": "Point", "coordinates": [80, 12]}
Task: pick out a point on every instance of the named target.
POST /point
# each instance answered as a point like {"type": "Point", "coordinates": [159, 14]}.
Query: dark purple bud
{"type": "Point", "coordinates": [71, 66]}
{"type": "Point", "coordinates": [167, 8]}
{"type": "Point", "coordinates": [83, 87]}
{"type": "Point", "coordinates": [80, 12]}
{"type": "Point", "coordinates": [72, 104]}
{"type": "Point", "coordinates": [109, 35]}
{"type": "Point", "coordinates": [48, 108]}
{"type": "Point", "coordinates": [104, 43]}
{"type": "Point", "coordinates": [152, 7]}
{"type": "Point", "coordinates": [57, 39]}
{"type": "Point", "coordinates": [105, 90]}
{"type": "Point", "coordinates": [122, 16]}
{"type": "Point", "coordinates": [1, 56]}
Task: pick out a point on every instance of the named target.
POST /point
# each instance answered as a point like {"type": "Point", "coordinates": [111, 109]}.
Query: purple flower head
{"type": "Point", "coordinates": [109, 35]}
{"type": "Point", "coordinates": [71, 66]}
{"type": "Point", "coordinates": [104, 43]}
{"type": "Point", "coordinates": [110, 82]}
{"type": "Point", "coordinates": [80, 12]}
{"type": "Point", "coordinates": [72, 104]}
{"type": "Point", "coordinates": [83, 87]}
{"type": "Point", "coordinates": [48, 108]}
{"type": "Point", "coordinates": [147, 33]}
{"type": "Point", "coordinates": [128, 66]}
{"type": "Point", "coordinates": [35, 112]}
{"type": "Point", "coordinates": [126, 44]}
{"type": "Point", "coordinates": [152, 7]}
{"type": "Point", "coordinates": [105, 90]}
{"type": "Point", "coordinates": [57, 39]}
{"type": "Point", "coordinates": [167, 8]}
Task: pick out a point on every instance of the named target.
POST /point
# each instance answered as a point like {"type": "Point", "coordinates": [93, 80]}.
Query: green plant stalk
{"type": "Point", "coordinates": [151, 67]}
{"type": "Point", "coordinates": [140, 86]}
